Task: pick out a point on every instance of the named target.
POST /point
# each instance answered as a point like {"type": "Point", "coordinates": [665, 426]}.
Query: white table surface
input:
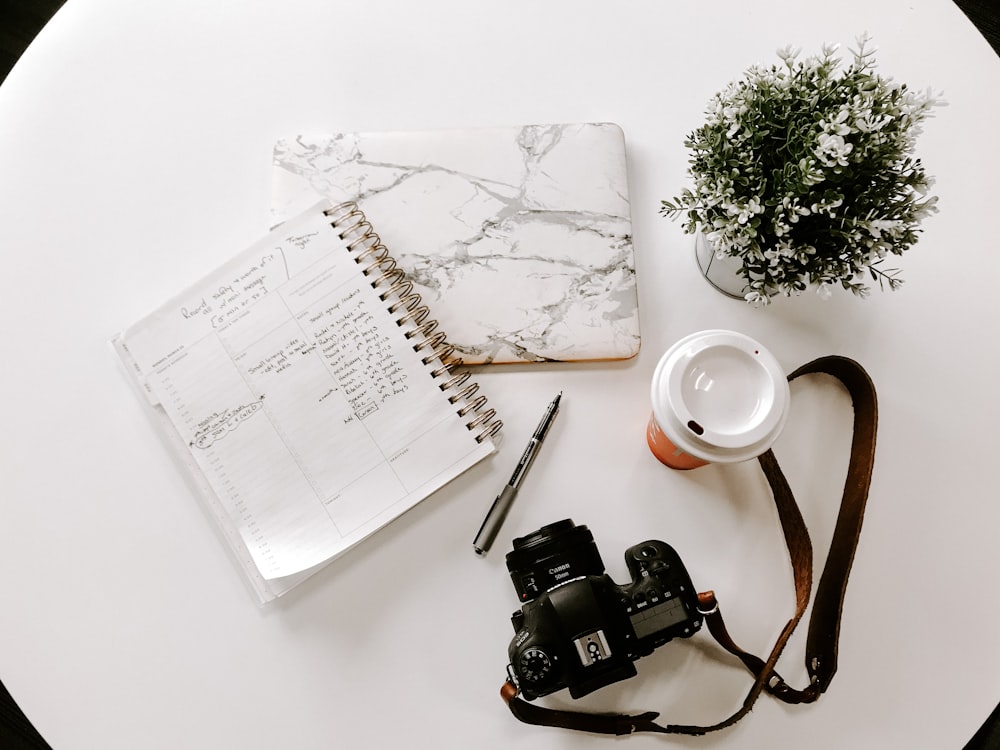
{"type": "Point", "coordinates": [135, 155]}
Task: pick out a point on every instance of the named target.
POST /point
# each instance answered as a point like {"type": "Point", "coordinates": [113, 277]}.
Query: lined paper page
{"type": "Point", "coordinates": [300, 400]}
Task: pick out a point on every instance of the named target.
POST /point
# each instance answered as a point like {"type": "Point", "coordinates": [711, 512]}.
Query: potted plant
{"type": "Point", "coordinates": [804, 175]}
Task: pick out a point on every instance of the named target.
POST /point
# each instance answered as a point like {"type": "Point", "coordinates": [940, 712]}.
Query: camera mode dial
{"type": "Point", "coordinates": [535, 665]}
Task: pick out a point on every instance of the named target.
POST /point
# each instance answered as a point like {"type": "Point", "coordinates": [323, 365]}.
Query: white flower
{"type": "Point", "coordinates": [868, 122]}
{"type": "Point", "coordinates": [927, 208]}
{"type": "Point", "coordinates": [890, 226]}
{"type": "Point", "coordinates": [923, 186]}
{"type": "Point", "coordinates": [788, 54]}
{"type": "Point", "coordinates": [810, 171]}
{"type": "Point", "coordinates": [837, 126]}
{"type": "Point", "coordinates": [832, 150]}
{"type": "Point", "coordinates": [745, 212]}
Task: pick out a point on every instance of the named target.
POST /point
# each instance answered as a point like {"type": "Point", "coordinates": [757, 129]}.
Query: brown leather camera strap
{"type": "Point", "coordinates": [824, 622]}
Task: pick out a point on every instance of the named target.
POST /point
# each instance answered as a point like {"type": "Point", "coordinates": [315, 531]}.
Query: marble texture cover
{"type": "Point", "coordinates": [519, 239]}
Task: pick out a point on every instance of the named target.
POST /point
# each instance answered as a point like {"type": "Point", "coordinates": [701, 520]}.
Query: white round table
{"type": "Point", "coordinates": [135, 144]}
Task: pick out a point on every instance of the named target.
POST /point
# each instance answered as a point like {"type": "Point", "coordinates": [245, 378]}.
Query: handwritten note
{"type": "Point", "coordinates": [296, 394]}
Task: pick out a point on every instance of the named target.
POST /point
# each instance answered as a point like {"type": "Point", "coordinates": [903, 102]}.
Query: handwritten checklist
{"type": "Point", "coordinates": [300, 401]}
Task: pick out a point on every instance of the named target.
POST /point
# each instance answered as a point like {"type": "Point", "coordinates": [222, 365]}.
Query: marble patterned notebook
{"type": "Point", "coordinates": [519, 239]}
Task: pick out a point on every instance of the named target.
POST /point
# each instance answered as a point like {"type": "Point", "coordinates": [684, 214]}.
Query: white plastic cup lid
{"type": "Point", "coordinates": [720, 396]}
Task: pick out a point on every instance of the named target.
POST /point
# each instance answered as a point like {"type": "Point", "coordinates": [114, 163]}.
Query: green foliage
{"type": "Point", "coordinates": [805, 172]}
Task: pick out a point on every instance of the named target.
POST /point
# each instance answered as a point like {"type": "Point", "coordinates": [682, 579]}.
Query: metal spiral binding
{"type": "Point", "coordinates": [455, 382]}
{"type": "Point", "coordinates": [466, 394]}
{"type": "Point", "coordinates": [472, 406]}
{"type": "Point", "coordinates": [422, 330]}
{"type": "Point", "coordinates": [434, 341]}
{"type": "Point", "coordinates": [391, 283]}
{"type": "Point", "coordinates": [400, 288]}
{"type": "Point", "coordinates": [407, 301]}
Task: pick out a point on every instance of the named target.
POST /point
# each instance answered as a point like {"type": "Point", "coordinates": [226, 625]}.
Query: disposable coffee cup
{"type": "Point", "coordinates": [718, 397]}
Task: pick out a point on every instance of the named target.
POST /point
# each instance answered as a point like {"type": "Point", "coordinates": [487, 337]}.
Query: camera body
{"type": "Point", "coordinates": [579, 629]}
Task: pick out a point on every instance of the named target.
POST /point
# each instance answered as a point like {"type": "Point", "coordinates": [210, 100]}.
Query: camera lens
{"type": "Point", "coordinates": [546, 534]}
{"type": "Point", "coordinates": [554, 554]}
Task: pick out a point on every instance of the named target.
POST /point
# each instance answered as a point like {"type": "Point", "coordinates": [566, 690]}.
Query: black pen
{"type": "Point", "coordinates": [501, 506]}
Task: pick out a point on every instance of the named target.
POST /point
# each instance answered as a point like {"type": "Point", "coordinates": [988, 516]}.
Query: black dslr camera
{"type": "Point", "coordinates": [577, 627]}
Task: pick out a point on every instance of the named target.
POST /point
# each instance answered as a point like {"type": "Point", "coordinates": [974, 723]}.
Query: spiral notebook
{"type": "Point", "coordinates": [308, 393]}
{"type": "Point", "coordinates": [520, 238]}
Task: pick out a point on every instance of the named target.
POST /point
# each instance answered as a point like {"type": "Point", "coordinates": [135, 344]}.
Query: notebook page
{"type": "Point", "coordinates": [308, 412]}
